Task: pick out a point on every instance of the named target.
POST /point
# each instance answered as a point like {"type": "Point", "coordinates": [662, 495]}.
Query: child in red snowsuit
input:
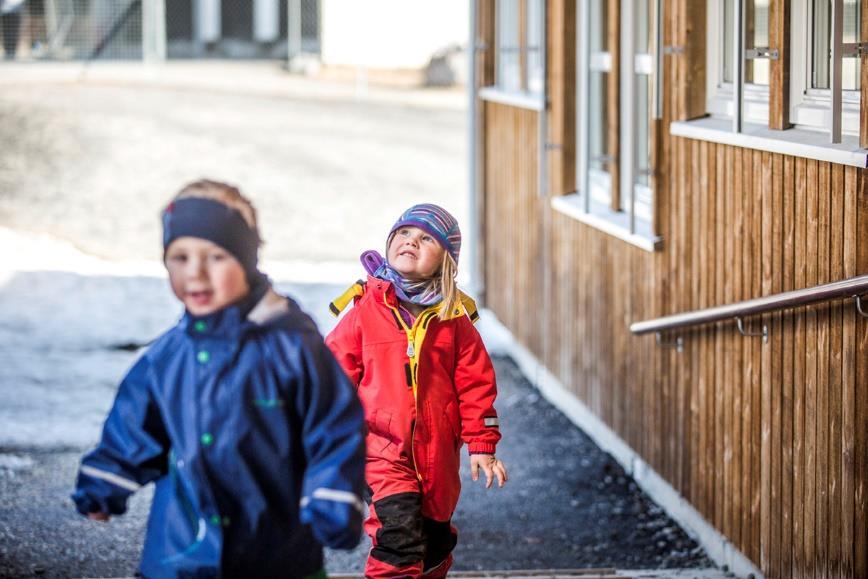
{"type": "Point", "coordinates": [427, 386]}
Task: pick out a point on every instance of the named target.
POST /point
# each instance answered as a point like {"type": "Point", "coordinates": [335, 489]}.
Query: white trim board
{"type": "Point", "coordinates": [570, 205]}
{"type": "Point", "coordinates": [795, 142]}
{"type": "Point", "coordinates": [718, 547]}
{"type": "Point", "coordinates": [520, 100]}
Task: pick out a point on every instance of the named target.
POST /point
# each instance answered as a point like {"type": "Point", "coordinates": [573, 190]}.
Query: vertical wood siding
{"type": "Point", "coordinates": [512, 222]}
{"type": "Point", "coordinates": [767, 441]}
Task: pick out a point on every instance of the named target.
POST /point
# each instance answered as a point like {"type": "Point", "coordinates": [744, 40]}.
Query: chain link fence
{"type": "Point", "coordinates": [241, 28]}
{"type": "Point", "coordinates": [72, 29]}
{"type": "Point", "coordinates": [157, 29]}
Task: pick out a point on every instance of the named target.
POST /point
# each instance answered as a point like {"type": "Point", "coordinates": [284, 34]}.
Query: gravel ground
{"type": "Point", "coordinates": [568, 507]}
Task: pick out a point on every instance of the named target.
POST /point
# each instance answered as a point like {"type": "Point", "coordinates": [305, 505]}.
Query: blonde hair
{"type": "Point", "coordinates": [449, 288]}
{"type": "Point", "coordinates": [223, 193]}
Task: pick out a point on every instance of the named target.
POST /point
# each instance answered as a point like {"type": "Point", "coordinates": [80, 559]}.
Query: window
{"type": "Point", "coordinates": [519, 57]}
{"type": "Point", "coordinates": [643, 112]}
{"type": "Point", "coordinates": [599, 68]}
{"type": "Point", "coordinates": [821, 43]}
{"type": "Point", "coordinates": [811, 62]}
{"type": "Point", "coordinates": [616, 106]}
{"type": "Point", "coordinates": [535, 65]}
{"type": "Point", "coordinates": [508, 46]}
{"type": "Point", "coordinates": [756, 37]}
{"type": "Point", "coordinates": [811, 80]}
{"type": "Point", "coordinates": [721, 53]}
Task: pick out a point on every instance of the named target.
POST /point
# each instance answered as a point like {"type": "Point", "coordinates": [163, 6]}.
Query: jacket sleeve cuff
{"type": "Point", "coordinates": [481, 448]}
{"type": "Point", "coordinates": [84, 504]}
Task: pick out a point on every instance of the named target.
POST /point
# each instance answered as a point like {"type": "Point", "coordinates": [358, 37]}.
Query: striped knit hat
{"type": "Point", "coordinates": [436, 221]}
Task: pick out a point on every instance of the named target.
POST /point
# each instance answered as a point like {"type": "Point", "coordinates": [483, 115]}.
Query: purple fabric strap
{"type": "Point", "coordinates": [372, 261]}
{"type": "Point", "coordinates": [424, 293]}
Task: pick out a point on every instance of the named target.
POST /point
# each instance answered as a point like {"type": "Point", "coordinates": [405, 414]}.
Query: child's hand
{"type": "Point", "coordinates": [101, 517]}
{"type": "Point", "coordinates": [491, 466]}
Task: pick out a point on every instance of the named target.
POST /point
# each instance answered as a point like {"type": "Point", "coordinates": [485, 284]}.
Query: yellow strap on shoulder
{"type": "Point", "coordinates": [342, 301]}
{"type": "Point", "coordinates": [469, 307]}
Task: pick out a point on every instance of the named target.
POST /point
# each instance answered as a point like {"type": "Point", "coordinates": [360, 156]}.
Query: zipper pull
{"type": "Point", "coordinates": [411, 352]}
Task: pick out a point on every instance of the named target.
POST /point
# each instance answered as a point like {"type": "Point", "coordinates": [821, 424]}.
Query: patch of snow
{"type": "Point", "coordinates": [30, 252]}
{"type": "Point", "coordinates": [497, 338]}
{"type": "Point", "coordinates": [336, 272]}
{"type": "Point", "coordinates": [12, 462]}
{"type": "Point", "coordinates": [26, 252]}
{"type": "Point", "coordinates": [72, 324]}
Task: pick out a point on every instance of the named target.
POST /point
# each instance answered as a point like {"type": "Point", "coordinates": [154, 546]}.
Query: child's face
{"type": "Point", "coordinates": [414, 253]}
{"type": "Point", "coordinates": [204, 276]}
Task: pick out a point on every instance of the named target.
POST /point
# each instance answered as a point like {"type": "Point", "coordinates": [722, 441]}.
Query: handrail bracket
{"type": "Point", "coordinates": [859, 309]}
{"type": "Point", "coordinates": [678, 344]}
{"type": "Point", "coordinates": [740, 325]}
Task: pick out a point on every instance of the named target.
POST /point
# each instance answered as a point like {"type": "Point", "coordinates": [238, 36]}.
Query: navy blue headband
{"type": "Point", "coordinates": [215, 222]}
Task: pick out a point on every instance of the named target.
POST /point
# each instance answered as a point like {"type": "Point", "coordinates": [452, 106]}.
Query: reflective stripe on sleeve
{"type": "Point", "coordinates": [111, 477]}
{"type": "Point", "coordinates": [337, 496]}
{"type": "Point", "coordinates": [491, 421]}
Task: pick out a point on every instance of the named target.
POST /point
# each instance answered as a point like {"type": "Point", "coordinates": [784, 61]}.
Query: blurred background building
{"type": "Point", "coordinates": [422, 38]}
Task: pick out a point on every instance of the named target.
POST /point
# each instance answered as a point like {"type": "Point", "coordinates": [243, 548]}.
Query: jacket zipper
{"type": "Point", "coordinates": [411, 355]}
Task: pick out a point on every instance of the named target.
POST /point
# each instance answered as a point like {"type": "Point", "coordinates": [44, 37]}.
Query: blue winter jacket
{"type": "Point", "coordinates": [254, 437]}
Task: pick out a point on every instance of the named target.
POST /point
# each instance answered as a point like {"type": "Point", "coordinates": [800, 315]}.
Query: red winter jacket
{"type": "Point", "coordinates": [425, 389]}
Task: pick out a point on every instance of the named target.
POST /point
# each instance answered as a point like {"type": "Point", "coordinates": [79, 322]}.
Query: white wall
{"type": "Point", "coordinates": [390, 33]}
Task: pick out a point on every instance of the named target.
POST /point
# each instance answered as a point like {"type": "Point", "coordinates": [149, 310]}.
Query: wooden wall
{"type": "Point", "coordinates": [513, 227]}
{"type": "Point", "coordinates": [769, 442]}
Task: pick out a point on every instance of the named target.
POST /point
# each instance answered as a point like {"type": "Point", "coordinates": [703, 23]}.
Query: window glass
{"type": "Point", "coordinates": [756, 19]}
{"type": "Point", "coordinates": [643, 137]}
{"type": "Point", "coordinates": [534, 48]}
{"type": "Point", "coordinates": [642, 62]}
{"type": "Point", "coordinates": [598, 137]}
{"type": "Point", "coordinates": [599, 25]}
{"type": "Point", "coordinates": [728, 35]}
{"type": "Point", "coordinates": [821, 45]}
{"type": "Point", "coordinates": [852, 34]}
{"type": "Point", "coordinates": [598, 87]}
{"type": "Point", "coordinates": [508, 63]}
{"type": "Point", "coordinates": [642, 10]}
{"type": "Point", "coordinates": [756, 70]}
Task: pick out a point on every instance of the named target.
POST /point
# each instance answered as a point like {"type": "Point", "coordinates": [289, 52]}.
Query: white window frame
{"type": "Point", "coordinates": [633, 63]}
{"type": "Point", "coordinates": [598, 183]}
{"type": "Point", "coordinates": [719, 99]}
{"type": "Point", "coordinates": [534, 72]}
{"type": "Point", "coordinates": [810, 109]}
{"type": "Point", "coordinates": [514, 93]}
{"type": "Point", "coordinates": [592, 203]}
{"type": "Point", "coordinates": [514, 82]}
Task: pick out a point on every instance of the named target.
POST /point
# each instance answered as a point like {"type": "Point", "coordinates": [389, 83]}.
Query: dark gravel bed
{"type": "Point", "coordinates": [567, 505]}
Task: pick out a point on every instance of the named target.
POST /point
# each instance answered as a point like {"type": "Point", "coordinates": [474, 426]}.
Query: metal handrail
{"type": "Point", "coordinates": [847, 288]}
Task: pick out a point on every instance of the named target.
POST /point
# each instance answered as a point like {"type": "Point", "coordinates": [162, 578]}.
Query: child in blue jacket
{"type": "Point", "coordinates": [239, 414]}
